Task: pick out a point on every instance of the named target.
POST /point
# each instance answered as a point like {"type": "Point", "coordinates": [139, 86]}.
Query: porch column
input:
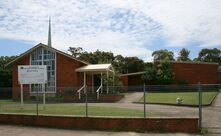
{"type": "Point", "coordinates": [84, 82]}
{"type": "Point", "coordinates": [101, 82]}
{"type": "Point", "coordinates": [92, 85]}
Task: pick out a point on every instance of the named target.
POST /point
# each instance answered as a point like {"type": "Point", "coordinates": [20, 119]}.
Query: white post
{"type": "Point", "coordinates": [22, 103]}
{"type": "Point", "coordinates": [84, 82]}
{"type": "Point", "coordinates": [107, 83]}
{"type": "Point", "coordinates": [43, 88]}
{"type": "Point", "coordinates": [92, 85]}
{"type": "Point", "coordinates": [101, 83]}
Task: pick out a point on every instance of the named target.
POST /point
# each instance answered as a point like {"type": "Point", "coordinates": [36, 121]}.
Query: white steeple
{"type": "Point", "coordinates": [49, 33]}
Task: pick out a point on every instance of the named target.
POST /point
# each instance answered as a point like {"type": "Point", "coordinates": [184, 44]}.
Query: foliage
{"type": "Point", "coordinates": [160, 55]}
{"type": "Point", "coordinates": [75, 51]}
{"type": "Point", "coordinates": [5, 73]}
{"type": "Point", "coordinates": [112, 80]}
{"type": "Point", "coordinates": [159, 73]}
{"type": "Point", "coordinates": [164, 74]}
{"type": "Point", "coordinates": [150, 74]}
{"type": "Point", "coordinates": [184, 55]}
{"type": "Point", "coordinates": [120, 63]}
{"type": "Point", "coordinates": [210, 55]}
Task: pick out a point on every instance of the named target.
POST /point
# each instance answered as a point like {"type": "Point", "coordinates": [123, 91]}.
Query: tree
{"type": "Point", "coordinates": [164, 74]}
{"type": "Point", "coordinates": [163, 55]}
{"type": "Point", "coordinates": [150, 73]}
{"type": "Point", "coordinates": [210, 55]}
{"type": "Point", "coordinates": [75, 51]}
{"type": "Point", "coordinates": [120, 63]}
{"type": "Point", "coordinates": [5, 73]}
{"type": "Point", "coordinates": [184, 55]}
{"type": "Point", "coordinates": [132, 64]}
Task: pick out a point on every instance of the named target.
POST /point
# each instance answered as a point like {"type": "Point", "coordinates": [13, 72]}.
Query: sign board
{"type": "Point", "coordinates": [32, 74]}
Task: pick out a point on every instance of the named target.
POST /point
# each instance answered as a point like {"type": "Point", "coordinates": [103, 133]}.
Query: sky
{"type": "Point", "coordinates": [126, 27]}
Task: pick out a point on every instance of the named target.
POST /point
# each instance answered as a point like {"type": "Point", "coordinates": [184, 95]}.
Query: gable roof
{"type": "Point", "coordinates": [43, 46]}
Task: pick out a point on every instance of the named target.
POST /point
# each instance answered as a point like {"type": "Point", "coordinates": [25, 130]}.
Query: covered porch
{"type": "Point", "coordinates": [104, 71]}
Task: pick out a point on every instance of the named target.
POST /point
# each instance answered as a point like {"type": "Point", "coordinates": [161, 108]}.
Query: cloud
{"type": "Point", "coordinates": [125, 27]}
{"type": "Point", "coordinates": [182, 21]}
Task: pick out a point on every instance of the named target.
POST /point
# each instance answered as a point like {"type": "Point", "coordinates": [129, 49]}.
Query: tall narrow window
{"type": "Point", "coordinates": [43, 56]}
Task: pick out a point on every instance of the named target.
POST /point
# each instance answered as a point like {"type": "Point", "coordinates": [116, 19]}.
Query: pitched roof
{"type": "Point", "coordinates": [135, 73]}
{"type": "Point", "coordinates": [44, 46]}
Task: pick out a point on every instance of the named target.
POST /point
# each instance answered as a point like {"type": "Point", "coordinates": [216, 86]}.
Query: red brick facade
{"type": "Point", "coordinates": [196, 72]}
{"type": "Point", "coordinates": [65, 72]}
{"type": "Point", "coordinates": [192, 73]}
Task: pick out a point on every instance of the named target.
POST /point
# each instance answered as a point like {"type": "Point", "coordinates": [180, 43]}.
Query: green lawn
{"type": "Point", "coordinates": [189, 98]}
{"type": "Point", "coordinates": [71, 109]}
{"type": "Point", "coordinates": [7, 101]}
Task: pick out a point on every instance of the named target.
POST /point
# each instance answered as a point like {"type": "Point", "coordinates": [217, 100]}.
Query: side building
{"type": "Point", "coordinates": [185, 73]}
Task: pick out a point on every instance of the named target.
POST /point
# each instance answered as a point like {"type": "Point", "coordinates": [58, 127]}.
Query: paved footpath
{"type": "Point", "coordinates": [8, 130]}
{"type": "Point", "coordinates": [212, 117]}
{"type": "Point", "coordinates": [134, 97]}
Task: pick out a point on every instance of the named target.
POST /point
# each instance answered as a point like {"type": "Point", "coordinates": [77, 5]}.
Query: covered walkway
{"type": "Point", "coordinates": [104, 70]}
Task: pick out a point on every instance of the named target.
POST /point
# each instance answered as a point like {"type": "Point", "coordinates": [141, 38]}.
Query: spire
{"type": "Point", "coordinates": [49, 33]}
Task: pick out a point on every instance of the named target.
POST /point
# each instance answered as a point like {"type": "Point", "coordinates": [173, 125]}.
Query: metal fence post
{"type": "Point", "coordinates": [200, 105]}
{"type": "Point", "coordinates": [37, 102]}
{"type": "Point", "coordinates": [144, 91]}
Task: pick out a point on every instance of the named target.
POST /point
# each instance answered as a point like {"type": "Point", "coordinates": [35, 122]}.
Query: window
{"type": "Point", "coordinates": [44, 57]}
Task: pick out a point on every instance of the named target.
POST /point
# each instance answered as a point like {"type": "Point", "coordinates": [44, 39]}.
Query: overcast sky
{"type": "Point", "coordinates": [127, 27]}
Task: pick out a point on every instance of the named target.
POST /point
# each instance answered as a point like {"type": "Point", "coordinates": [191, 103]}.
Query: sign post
{"type": "Point", "coordinates": [21, 94]}
{"type": "Point", "coordinates": [32, 74]}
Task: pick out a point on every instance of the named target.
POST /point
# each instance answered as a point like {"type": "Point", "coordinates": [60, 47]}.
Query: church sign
{"type": "Point", "coordinates": [32, 74]}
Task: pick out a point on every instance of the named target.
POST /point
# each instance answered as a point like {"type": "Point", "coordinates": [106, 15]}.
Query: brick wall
{"type": "Point", "coordinates": [66, 75]}
{"type": "Point", "coordinates": [65, 71]}
{"type": "Point", "coordinates": [196, 72]}
{"type": "Point", "coordinates": [185, 125]}
{"type": "Point", "coordinates": [15, 84]}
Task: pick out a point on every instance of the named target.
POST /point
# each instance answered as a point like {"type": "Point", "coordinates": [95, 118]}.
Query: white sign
{"type": "Point", "coordinates": [32, 74]}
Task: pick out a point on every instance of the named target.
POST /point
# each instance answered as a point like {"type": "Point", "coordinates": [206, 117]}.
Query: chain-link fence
{"type": "Point", "coordinates": [113, 101]}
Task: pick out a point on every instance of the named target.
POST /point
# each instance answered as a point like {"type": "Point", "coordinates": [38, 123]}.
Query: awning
{"type": "Point", "coordinates": [95, 68]}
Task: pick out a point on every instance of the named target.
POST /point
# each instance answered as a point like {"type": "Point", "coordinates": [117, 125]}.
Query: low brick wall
{"type": "Point", "coordinates": [185, 125]}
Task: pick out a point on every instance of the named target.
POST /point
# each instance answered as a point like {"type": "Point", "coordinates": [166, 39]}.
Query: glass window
{"type": "Point", "coordinates": [49, 60]}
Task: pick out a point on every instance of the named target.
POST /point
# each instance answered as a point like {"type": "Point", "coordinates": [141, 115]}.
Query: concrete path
{"type": "Point", "coordinates": [131, 97]}
{"type": "Point", "coordinates": [212, 117]}
{"type": "Point", "coordinates": [8, 130]}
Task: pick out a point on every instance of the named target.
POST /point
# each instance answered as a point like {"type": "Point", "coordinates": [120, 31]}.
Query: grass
{"type": "Point", "coordinates": [71, 109]}
{"type": "Point", "coordinates": [189, 98]}
{"type": "Point", "coordinates": [9, 101]}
